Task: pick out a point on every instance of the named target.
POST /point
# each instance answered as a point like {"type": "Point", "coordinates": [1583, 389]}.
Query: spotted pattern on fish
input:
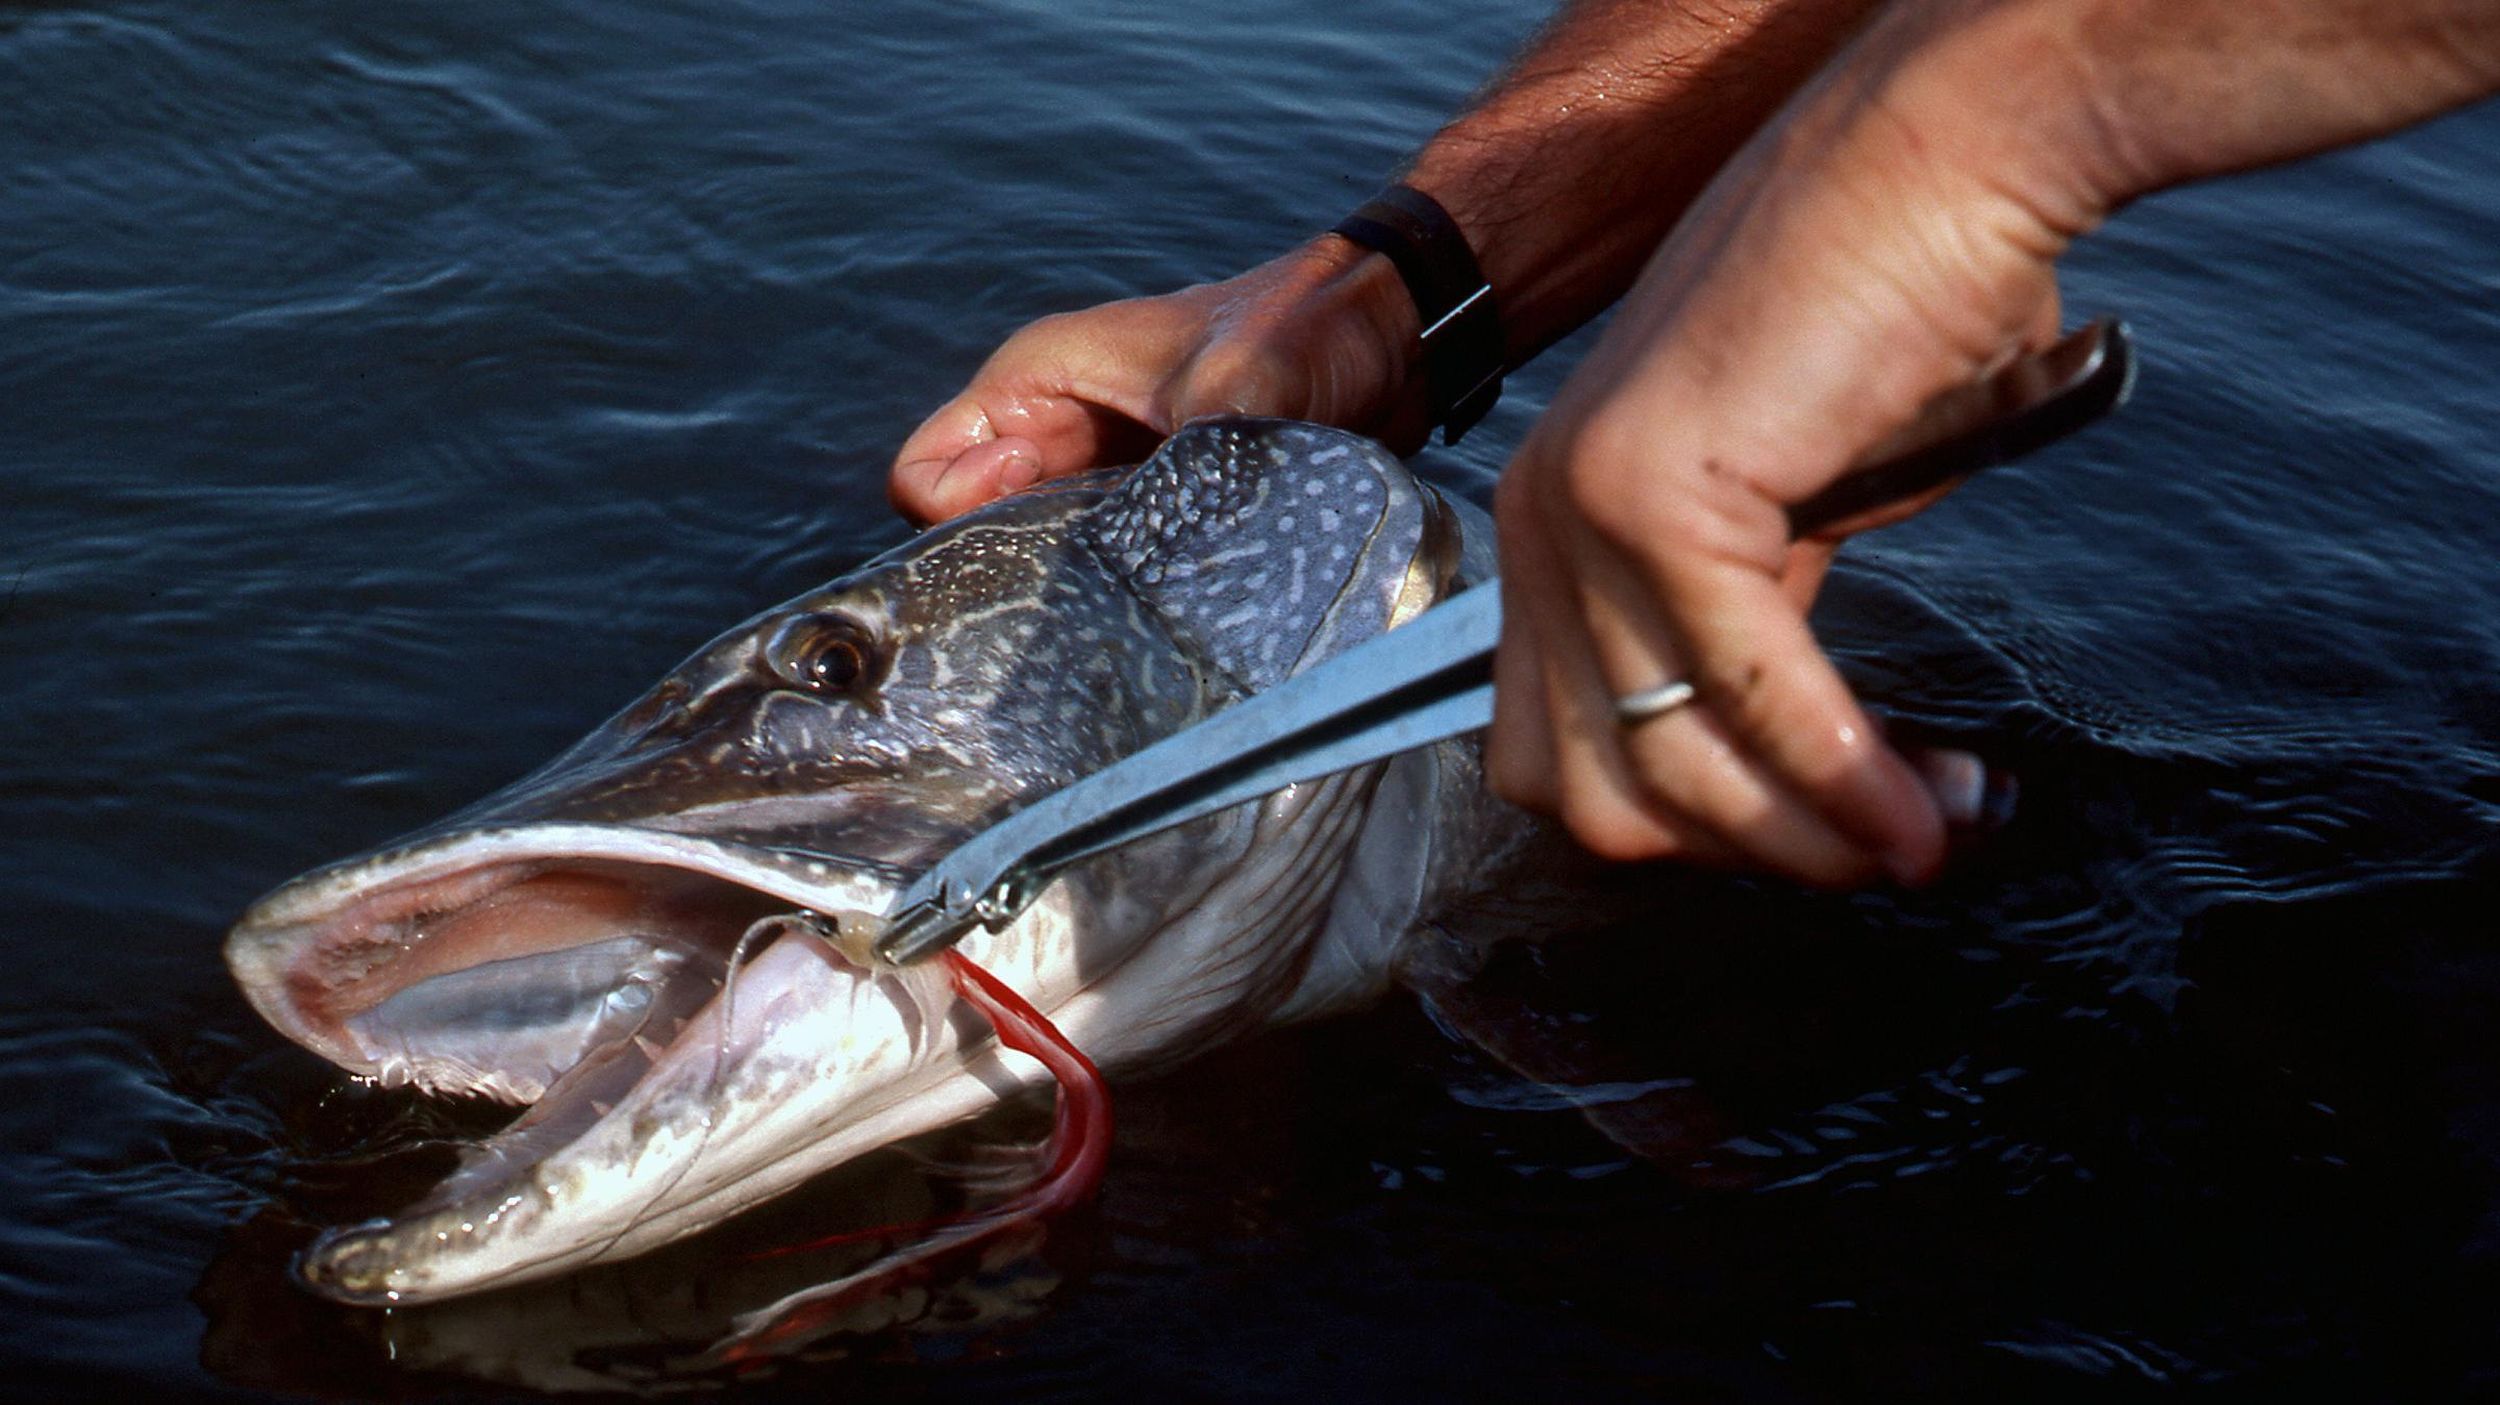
{"type": "Point", "coordinates": [1236, 525]}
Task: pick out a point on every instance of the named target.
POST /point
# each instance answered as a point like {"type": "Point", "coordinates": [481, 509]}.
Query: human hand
{"type": "Point", "coordinates": [1892, 237]}
{"type": "Point", "coordinates": [1840, 274]}
{"type": "Point", "coordinates": [1321, 334]}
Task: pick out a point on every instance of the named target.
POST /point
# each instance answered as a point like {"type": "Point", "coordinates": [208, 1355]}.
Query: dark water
{"type": "Point", "coordinates": [386, 393]}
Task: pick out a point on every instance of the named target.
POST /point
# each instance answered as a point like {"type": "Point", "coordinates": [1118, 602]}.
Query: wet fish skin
{"type": "Point", "coordinates": [816, 756]}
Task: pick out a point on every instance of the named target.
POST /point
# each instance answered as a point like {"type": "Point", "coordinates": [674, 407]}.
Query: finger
{"type": "Point", "coordinates": [1602, 800]}
{"type": "Point", "coordinates": [1551, 746]}
{"type": "Point", "coordinates": [984, 473]}
{"type": "Point", "coordinates": [1801, 575]}
{"type": "Point", "coordinates": [1598, 798]}
{"type": "Point", "coordinates": [967, 455]}
{"type": "Point", "coordinates": [1071, 389]}
{"type": "Point", "coordinates": [1686, 762]}
{"type": "Point", "coordinates": [1763, 675]}
{"type": "Point", "coordinates": [958, 426]}
{"type": "Point", "coordinates": [1518, 747]}
{"type": "Point", "coordinates": [1973, 797]}
{"type": "Point", "coordinates": [1064, 430]}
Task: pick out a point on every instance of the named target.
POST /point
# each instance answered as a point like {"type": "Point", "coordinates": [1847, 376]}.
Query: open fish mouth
{"type": "Point", "coordinates": [356, 960]}
{"type": "Point", "coordinates": [635, 990]}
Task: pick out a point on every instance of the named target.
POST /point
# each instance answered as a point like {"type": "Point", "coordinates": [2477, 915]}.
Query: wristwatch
{"type": "Point", "coordinates": [1464, 349]}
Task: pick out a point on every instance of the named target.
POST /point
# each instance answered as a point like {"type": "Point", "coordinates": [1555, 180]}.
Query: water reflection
{"type": "Point", "coordinates": [393, 393]}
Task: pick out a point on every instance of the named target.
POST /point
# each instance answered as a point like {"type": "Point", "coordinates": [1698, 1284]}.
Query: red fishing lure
{"type": "Point", "coordinates": [1080, 1142]}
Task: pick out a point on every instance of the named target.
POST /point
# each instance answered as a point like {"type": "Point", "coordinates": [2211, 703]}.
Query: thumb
{"type": "Point", "coordinates": [957, 461]}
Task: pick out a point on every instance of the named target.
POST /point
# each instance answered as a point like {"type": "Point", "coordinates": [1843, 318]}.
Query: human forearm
{"type": "Point", "coordinates": [2082, 105]}
{"type": "Point", "coordinates": [1569, 167]}
{"type": "Point", "coordinates": [2192, 90]}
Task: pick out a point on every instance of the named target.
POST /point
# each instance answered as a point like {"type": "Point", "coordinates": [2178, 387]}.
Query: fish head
{"type": "Point", "coordinates": [650, 943]}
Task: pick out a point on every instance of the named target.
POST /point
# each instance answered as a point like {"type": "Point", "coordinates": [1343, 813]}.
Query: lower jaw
{"type": "Point", "coordinates": [415, 1256]}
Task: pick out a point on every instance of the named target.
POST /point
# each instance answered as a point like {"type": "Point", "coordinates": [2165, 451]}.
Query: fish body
{"type": "Point", "coordinates": [628, 942]}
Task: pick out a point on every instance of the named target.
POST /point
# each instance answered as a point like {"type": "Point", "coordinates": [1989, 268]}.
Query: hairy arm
{"type": "Point", "coordinates": [1565, 172]}
{"type": "Point", "coordinates": [1572, 165]}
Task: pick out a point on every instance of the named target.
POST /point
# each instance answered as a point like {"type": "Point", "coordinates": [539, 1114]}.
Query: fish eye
{"type": "Point", "coordinates": [827, 654]}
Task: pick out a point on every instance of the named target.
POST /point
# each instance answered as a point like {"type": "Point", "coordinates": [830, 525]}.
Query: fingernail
{"type": "Point", "coordinates": [1019, 472]}
{"type": "Point", "coordinates": [954, 492]}
{"type": "Point", "coordinates": [1973, 796]}
{"type": "Point", "coordinates": [913, 488]}
{"type": "Point", "coordinates": [1958, 780]}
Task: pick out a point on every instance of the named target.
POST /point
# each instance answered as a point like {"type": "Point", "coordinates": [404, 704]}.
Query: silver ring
{"type": "Point", "coordinates": [1633, 709]}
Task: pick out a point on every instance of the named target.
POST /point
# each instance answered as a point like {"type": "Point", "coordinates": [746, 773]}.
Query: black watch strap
{"type": "Point", "coordinates": [1463, 344]}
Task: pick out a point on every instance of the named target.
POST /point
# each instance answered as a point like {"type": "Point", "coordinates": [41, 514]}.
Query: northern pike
{"type": "Point", "coordinates": [624, 940]}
